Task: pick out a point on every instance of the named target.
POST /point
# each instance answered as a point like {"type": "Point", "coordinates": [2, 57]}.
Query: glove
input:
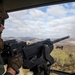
{"type": "Point", "coordinates": [15, 62]}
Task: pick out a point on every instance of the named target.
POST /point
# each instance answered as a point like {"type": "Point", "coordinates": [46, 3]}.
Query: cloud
{"type": "Point", "coordinates": [73, 4]}
{"type": "Point", "coordinates": [57, 11]}
{"type": "Point", "coordinates": [44, 22]}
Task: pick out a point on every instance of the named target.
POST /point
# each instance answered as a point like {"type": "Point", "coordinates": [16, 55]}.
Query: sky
{"type": "Point", "coordinates": [52, 21]}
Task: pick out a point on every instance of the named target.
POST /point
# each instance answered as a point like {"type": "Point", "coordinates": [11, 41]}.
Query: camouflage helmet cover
{"type": "Point", "coordinates": [3, 13]}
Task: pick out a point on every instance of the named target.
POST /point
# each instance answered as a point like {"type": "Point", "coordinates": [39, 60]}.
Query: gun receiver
{"type": "Point", "coordinates": [33, 54]}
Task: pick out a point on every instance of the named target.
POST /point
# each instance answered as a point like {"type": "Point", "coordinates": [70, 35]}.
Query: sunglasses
{"type": "Point", "coordinates": [1, 21]}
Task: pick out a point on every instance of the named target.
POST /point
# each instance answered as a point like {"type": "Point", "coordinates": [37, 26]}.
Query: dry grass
{"type": "Point", "coordinates": [64, 59]}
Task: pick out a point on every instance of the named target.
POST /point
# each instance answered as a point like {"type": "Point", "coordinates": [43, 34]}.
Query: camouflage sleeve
{"type": "Point", "coordinates": [1, 66]}
{"type": "Point", "coordinates": [7, 73]}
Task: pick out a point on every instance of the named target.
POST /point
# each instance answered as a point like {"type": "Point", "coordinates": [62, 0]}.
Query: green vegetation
{"type": "Point", "coordinates": [64, 59]}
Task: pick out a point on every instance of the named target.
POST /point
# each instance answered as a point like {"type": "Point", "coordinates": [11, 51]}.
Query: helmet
{"type": "Point", "coordinates": [3, 13]}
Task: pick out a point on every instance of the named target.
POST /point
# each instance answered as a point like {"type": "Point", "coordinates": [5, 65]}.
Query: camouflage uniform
{"type": "Point", "coordinates": [14, 62]}
{"type": "Point", "coordinates": [1, 60]}
{"type": "Point", "coordinates": [4, 16]}
{"type": "Point", "coordinates": [1, 66]}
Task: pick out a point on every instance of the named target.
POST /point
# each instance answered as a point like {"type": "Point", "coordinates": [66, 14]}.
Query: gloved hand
{"type": "Point", "coordinates": [15, 62]}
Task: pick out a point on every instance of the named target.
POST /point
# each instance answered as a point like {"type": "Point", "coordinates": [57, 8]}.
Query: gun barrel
{"type": "Point", "coordinates": [55, 41]}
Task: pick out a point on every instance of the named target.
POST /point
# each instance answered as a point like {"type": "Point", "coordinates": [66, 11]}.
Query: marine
{"type": "Point", "coordinates": [14, 62]}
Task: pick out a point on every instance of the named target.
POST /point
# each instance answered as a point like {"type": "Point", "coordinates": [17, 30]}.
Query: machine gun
{"type": "Point", "coordinates": [36, 56]}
